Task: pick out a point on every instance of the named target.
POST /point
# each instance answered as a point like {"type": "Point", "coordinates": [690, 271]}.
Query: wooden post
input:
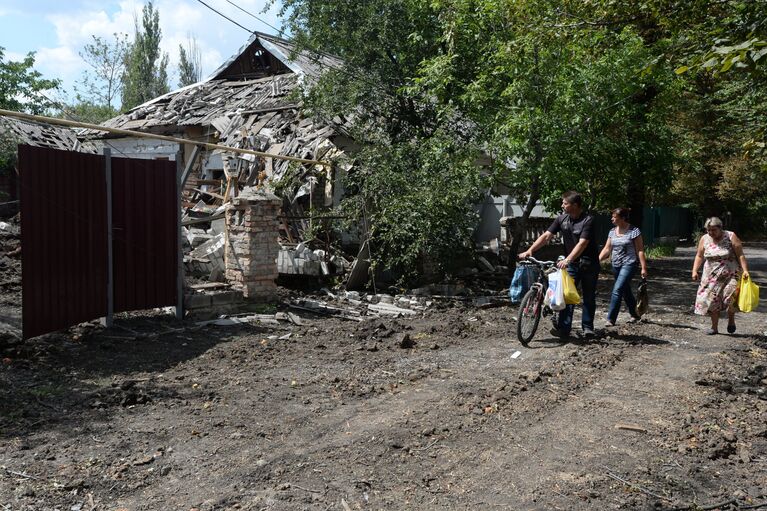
{"type": "Point", "coordinates": [189, 165]}
{"type": "Point", "coordinates": [109, 319]}
{"type": "Point", "coordinates": [180, 252]}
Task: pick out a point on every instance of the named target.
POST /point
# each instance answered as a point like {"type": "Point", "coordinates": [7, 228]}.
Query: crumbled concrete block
{"type": "Point", "coordinates": [226, 297]}
{"type": "Point", "coordinates": [197, 301]}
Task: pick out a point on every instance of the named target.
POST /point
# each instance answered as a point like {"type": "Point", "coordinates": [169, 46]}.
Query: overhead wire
{"type": "Point", "coordinates": [312, 54]}
{"type": "Point", "coordinates": [225, 16]}
{"type": "Point", "coordinates": [254, 16]}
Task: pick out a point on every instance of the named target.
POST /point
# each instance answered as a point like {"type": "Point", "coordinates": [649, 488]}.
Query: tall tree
{"type": "Point", "coordinates": [189, 63]}
{"type": "Point", "coordinates": [555, 108]}
{"type": "Point", "coordinates": [102, 83]}
{"type": "Point", "coordinates": [146, 74]}
{"type": "Point", "coordinates": [416, 182]}
{"type": "Point", "coordinates": [571, 107]}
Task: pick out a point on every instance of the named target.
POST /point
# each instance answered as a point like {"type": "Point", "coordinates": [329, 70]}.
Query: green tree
{"type": "Point", "coordinates": [189, 63]}
{"type": "Point", "coordinates": [22, 88]}
{"type": "Point", "coordinates": [86, 111]}
{"type": "Point", "coordinates": [718, 49]}
{"type": "Point", "coordinates": [146, 75]}
{"type": "Point", "coordinates": [555, 108]}
{"type": "Point", "coordinates": [560, 94]}
{"type": "Point", "coordinates": [416, 182]}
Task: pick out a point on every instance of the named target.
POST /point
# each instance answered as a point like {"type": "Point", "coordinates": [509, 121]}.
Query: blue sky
{"type": "Point", "coordinates": [57, 30]}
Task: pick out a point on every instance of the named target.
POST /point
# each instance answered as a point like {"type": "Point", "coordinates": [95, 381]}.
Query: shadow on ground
{"type": "Point", "coordinates": [56, 383]}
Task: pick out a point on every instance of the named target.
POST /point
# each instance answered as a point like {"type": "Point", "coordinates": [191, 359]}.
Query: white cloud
{"type": "Point", "coordinates": [70, 25]}
{"type": "Point", "coordinates": [77, 28]}
{"type": "Point", "coordinates": [61, 62]}
{"type": "Point", "coordinates": [13, 56]}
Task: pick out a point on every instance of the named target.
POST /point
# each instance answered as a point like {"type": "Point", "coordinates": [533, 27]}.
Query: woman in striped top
{"type": "Point", "coordinates": [625, 246]}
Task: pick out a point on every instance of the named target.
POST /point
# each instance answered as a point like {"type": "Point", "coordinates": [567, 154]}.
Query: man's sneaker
{"type": "Point", "coordinates": [609, 323]}
{"type": "Point", "coordinates": [589, 333]}
{"type": "Point", "coordinates": [634, 319]}
{"type": "Point", "coordinates": [556, 332]}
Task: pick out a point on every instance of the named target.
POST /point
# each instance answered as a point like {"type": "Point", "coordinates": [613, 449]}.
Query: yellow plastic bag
{"type": "Point", "coordinates": [748, 296]}
{"type": "Point", "coordinates": [571, 292]}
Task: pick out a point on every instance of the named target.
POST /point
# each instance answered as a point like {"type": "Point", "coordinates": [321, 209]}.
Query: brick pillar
{"type": "Point", "coordinates": [251, 244]}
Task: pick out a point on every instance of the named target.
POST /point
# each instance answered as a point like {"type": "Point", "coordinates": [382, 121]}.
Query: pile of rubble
{"type": "Point", "coordinates": [10, 252]}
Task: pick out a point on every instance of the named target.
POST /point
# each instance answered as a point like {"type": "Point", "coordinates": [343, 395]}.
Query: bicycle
{"type": "Point", "coordinates": [532, 306]}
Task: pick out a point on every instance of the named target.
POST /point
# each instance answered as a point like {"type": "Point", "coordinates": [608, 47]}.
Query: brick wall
{"type": "Point", "coordinates": [251, 244]}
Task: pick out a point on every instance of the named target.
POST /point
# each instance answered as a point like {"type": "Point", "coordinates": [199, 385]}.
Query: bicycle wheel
{"type": "Point", "coordinates": [529, 316]}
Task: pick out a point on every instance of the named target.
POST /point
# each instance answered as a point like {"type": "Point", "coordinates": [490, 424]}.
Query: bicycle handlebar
{"type": "Point", "coordinates": [531, 259]}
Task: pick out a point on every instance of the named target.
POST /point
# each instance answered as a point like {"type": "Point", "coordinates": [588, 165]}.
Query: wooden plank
{"type": "Point", "coordinates": [271, 109]}
{"type": "Point", "coordinates": [193, 221]}
{"type": "Point", "coordinates": [631, 427]}
{"type": "Point", "coordinates": [210, 285]}
{"type": "Point", "coordinates": [212, 194]}
{"type": "Point", "coordinates": [188, 168]}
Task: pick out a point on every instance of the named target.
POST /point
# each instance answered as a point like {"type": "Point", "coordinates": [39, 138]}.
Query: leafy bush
{"type": "Point", "coordinates": [418, 199]}
{"type": "Point", "coordinates": [660, 250]}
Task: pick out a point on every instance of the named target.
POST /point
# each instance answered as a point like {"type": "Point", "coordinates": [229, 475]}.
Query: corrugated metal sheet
{"type": "Point", "coordinates": [64, 237]}
{"type": "Point", "coordinates": [145, 233]}
{"type": "Point", "coordinates": [64, 233]}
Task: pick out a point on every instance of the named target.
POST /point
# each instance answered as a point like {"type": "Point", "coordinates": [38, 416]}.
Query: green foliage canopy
{"type": "Point", "coordinates": [22, 88]}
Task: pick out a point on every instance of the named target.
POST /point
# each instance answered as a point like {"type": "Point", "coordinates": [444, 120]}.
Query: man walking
{"type": "Point", "coordinates": [581, 260]}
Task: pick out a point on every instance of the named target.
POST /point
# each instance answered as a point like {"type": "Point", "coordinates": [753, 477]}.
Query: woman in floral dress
{"type": "Point", "coordinates": [723, 255]}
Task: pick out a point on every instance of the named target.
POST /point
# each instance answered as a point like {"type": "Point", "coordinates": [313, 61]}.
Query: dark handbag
{"type": "Point", "coordinates": [642, 304]}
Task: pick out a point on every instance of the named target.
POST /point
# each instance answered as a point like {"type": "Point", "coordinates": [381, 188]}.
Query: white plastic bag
{"type": "Point", "coordinates": [555, 294]}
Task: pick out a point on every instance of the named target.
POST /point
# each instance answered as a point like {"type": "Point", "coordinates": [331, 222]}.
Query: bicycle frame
{"type": "Point", "coordinates": [532, 306]}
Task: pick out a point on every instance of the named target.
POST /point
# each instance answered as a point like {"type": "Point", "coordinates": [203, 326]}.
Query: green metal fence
{"type": "Point", "coordinates": [657, 222]}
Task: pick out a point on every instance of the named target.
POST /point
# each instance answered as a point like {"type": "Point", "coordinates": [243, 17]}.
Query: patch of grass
{"type": "Point", "coordinates": [263, 308]}
{"type": "Point", "coordinates": [659, 251]}
{"type": "Point", "coordinates": [47, 391]}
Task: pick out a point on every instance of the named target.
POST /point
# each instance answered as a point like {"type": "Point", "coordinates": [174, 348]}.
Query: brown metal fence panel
{"type": "Point", "coordinates": [145, 233]}
{"type": "Point", "coordinates": [64, 233]}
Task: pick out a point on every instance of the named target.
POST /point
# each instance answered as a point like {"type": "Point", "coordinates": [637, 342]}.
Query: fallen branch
{"type": "Point", "coordinates": [305, 489]}
{"type": "Point", "coordinates": [21, 474]}
{"type": "Point", "coordinates": [611, 474]}
{"type": "Point", "coordinates": [425, 448]}
{"type": "Point", "coordinates": [709, 507]}
{"type": "Point", "coordinates": [754, 506]}
{"type": "Point", "coordinates": [631, 427]}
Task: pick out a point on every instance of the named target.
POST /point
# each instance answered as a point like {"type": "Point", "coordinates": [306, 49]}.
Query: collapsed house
{"type": "Point", "coordinates": [251, 102]}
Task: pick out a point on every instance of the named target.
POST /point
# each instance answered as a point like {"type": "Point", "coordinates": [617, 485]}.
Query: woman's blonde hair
{"type": "Point", "coordinates": [713, 222]}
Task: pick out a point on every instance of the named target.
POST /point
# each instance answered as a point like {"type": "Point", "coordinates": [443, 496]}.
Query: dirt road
{"type": "Point", "coordinates": [427, 413]}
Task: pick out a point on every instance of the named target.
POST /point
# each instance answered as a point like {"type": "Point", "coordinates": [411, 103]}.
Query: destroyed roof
{"type": "Point", "coordinates": [303, 63]}
{"type": "Point", "coordinates": [43, 135]}
{"type": "Point", "coordinates": [258, 78]}
{"type": "Point", "coordinates": [247, 102]}
{"type": "Point", "coordinates": [210, 103]}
